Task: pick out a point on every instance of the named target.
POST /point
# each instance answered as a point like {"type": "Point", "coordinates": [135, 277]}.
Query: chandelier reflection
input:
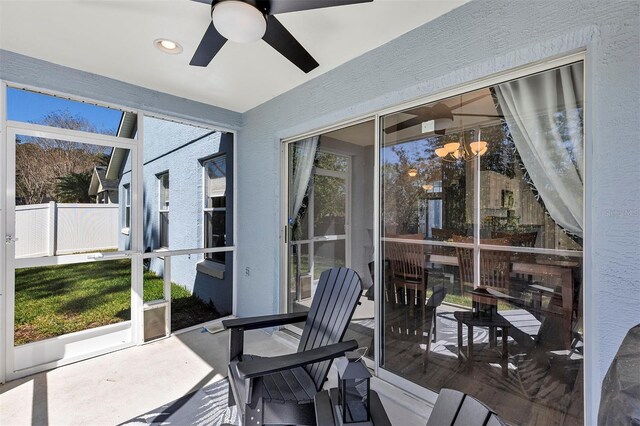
{"type": "Point", "coordinates": [456, 151]}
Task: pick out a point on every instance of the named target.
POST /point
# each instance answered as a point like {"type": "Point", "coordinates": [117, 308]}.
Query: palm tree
{"type": "Point", "coordinates": [74, 188]}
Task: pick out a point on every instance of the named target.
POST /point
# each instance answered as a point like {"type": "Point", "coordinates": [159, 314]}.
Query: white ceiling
{"type": "Point", "coordinates": [115, 38]}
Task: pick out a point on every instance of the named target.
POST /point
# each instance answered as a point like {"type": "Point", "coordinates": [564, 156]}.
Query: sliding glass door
{"type": "Point", "coordinates": [481, 237]}
{"type": "Point", "coordinates": [330, 218]}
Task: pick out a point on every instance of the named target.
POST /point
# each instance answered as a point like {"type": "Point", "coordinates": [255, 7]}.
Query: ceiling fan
{"type": "Point", "coordinates": [441, 113]}
{"type": "Point", "coordinates": [245, 21]}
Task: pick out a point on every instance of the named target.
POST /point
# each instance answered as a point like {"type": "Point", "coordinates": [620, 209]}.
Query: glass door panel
{"type": "Point", "coordinates": [330, 218]}
{"type": "Point", "coordinates": [481, 238]}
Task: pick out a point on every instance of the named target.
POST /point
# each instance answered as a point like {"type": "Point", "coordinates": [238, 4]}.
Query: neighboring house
{"type": "Point", "coordinates": [104, 190]}
{"type": "Point", "coordinates": [192, 167]}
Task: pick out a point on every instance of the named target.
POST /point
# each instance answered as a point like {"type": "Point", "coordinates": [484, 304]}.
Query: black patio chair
{"type": "Point", "coordinates": [280, 390]}
{"type": "Point", "coordinates": [454, 408]}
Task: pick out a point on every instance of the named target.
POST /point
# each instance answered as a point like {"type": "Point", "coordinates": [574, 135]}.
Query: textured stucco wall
{"type": "Point", "coordinates": [164, 151]}
{"type": "Point", "coordinates": [476, 40]}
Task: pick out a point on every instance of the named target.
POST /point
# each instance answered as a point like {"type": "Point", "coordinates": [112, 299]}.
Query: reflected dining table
{"type": "Point", "coordinates": [530, 265]}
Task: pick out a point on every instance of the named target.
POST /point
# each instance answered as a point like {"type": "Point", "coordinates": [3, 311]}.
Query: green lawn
{"type": "Point", "coordinates": [55, 300]}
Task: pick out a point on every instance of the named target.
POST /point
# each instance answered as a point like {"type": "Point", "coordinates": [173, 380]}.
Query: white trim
{"type": "Point", "coordinates": [4, 305]}
{"type": "Point", "coordinates": [165, 252]}
{"type": "Point", "coordinates": [284, 228]}
{"type": "Point", "coordinates": [591, 375]}
{"type": "Point", "coordinates": [10, 201]}
{"type": "Point", "coordinates": [136, 238]}
{"type": "Point", "coordinates": [107, 338]}
{"type": "Point", "coordinates": [40, 131]}
{"type": "Point", "coordinates": [377, 285]}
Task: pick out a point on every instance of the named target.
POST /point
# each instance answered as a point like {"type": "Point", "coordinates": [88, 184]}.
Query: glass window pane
{"type": "Point", "coordinates": [215, 233]}
{"type": "Point", "coordinates": [54, 300]}
{"type": "Point", "coordinates": [164, 191]}
{"type": "Point", "coordinates": [422, 193]}
{"type": "Point", "coordinates": [329, 208]}
{"type": "Point", "coordinates": [329, 161]}
{"type": "Point", "coordinates": [215, 181]}
{"type": "Point", "coordinates": [31, 107]}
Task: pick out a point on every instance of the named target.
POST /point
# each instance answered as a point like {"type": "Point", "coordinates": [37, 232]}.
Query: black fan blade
{"type": "Point", "coordinates": [284, 6]}
{"type": "Point", "coordinates": [281, 39]}
{"type": "Point", "coordinates": [209, 46]}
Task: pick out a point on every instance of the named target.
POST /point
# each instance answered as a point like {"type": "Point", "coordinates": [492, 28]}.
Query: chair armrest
{"type": "Point", "coordinates": [265, 321]}
{"type": "Point", "coordinates": [263, 366]}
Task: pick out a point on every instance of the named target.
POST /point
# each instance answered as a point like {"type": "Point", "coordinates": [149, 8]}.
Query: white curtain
{"type": "Point", "coordinates": [542, 112]}
{"type": "Point", "coordinates": [305, 152]}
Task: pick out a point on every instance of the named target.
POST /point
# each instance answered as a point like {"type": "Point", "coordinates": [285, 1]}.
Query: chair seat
{"type": "Point", "coordinates": [295, 385]}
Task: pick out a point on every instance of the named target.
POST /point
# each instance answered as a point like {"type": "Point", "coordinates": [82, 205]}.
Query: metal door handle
{"type": "Point", "coordinates": [10, 239]}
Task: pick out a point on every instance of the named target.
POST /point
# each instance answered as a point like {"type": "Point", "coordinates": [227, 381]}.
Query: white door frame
{"type": "Point", "coordinates": [31, 357]}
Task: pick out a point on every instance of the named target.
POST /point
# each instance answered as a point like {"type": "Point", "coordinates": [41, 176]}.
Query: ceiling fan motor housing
{"type": "Point", "coordinates": [262, 6]}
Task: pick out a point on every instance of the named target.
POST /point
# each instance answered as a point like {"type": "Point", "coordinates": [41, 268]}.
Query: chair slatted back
{"type": "Point", "coordinates": [407, 260]}
{"type": "Point", "coordinates": [331, 311]}
{"type": "Point", "coordinates": [454, 408]}
{"type": "Point", "coordinates": [494, 264]}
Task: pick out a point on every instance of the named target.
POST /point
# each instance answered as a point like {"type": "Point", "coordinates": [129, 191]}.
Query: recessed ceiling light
{"type": "Point", "coordinates": [167, 46]}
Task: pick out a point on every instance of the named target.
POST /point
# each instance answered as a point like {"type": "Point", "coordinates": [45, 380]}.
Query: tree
{"type": "Point", "coordinates": [74, 188]}
{"type": "Point", "coordinates": [40, 162]}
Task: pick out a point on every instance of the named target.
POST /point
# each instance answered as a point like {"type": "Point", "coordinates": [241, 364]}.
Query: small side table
{"type": "Point", "coordinates": [467, 318]}
{"type": "Point", "coordinates": [326, 414]}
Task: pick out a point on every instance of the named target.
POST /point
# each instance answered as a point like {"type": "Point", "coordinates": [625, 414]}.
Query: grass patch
{"type": "Point", "coordinates": [55, 300]}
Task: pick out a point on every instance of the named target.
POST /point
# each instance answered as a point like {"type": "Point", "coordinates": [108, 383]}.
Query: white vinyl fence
{"type": "Point", "coordinates": [54, 228]}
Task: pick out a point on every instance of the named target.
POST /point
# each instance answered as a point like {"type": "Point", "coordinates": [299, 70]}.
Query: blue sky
{"type": "Point", "coordinates": [28, 106]}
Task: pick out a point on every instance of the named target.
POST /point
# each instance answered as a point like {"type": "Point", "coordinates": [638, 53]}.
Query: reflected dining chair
{"type": "Point", "coordinates": [494, 264]}
{"type": "Point", "coordinates": [409, 275]}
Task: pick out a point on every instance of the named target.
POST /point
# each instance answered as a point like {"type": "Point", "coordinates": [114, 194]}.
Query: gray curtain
{"type": "Point", "coordinates": [305, 153]}
{"type": "Point", "coordinates": [544, 115]}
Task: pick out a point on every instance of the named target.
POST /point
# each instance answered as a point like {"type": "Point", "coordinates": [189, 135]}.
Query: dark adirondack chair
{"type": "Point", "coordinates": [280, 390]}
{"type": "Point", "coordinates": [454, 408]}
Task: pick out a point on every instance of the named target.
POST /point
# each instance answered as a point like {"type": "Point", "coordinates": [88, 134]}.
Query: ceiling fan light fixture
{"type": "Point", "coordinates": [239, 21]}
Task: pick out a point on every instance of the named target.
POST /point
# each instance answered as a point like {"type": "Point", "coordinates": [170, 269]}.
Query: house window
{"type": "Point", "coordinates": [127, 206]}
{"type": "Point", "coordinates": [215, 206]}
{"type": "Point", "coordinates": [163, 208]}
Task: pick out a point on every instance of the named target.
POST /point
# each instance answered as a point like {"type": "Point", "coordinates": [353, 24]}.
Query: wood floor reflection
{"type": "Point", "coordinates": [542, 387]}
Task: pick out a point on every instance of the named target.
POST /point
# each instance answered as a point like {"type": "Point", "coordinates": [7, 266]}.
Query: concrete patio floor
{"type": "Point", "coordinates": [116, 387]}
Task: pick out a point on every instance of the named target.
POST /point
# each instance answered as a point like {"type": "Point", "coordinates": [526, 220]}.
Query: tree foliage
{"type": "Point", "coordinates": [73, 188]}
{"type": "Point", "coordinates": [41, 162]}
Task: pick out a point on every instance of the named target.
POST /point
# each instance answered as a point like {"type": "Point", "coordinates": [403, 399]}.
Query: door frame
{"type": "Point", "coordinates": [284, 204]}
{"type": "Point", "coordinates": [31, 357]}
